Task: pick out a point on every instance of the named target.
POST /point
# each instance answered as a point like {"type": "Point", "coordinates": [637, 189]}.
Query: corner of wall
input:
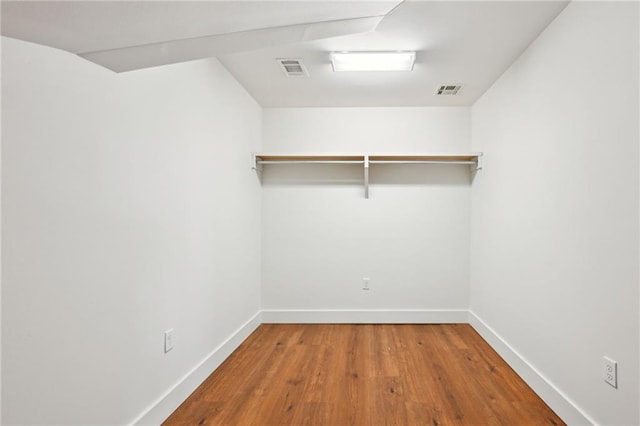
{"type": "Point", "coordinates": [554, 397]}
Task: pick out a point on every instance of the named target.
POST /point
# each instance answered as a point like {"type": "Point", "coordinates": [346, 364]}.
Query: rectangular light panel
{"type": "Point", "coordinates": [373, 61]}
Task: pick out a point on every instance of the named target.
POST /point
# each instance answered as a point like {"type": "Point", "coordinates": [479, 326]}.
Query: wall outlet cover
{"type": "Point", "coordinates": [610, 371]}
{"type": "Point", "coordinates": [168, 340]}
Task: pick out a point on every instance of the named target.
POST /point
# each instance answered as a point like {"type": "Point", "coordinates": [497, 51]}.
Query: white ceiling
{"type": "Point", "coordinates": [457, 42]}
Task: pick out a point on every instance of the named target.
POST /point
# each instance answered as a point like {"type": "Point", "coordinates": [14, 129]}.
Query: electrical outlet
{"type": "Point", "coordinates": [610, 371]}
{"type": "Point", "coordinates": [168, 340]}
{"type": "Point", "coordinates": [365, 283]}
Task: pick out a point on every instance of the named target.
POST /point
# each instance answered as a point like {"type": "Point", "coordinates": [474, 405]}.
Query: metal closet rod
{"type": "Point", "coordinates": [362, 162]}
{"type": "Point", "coordinates": [421, 162]}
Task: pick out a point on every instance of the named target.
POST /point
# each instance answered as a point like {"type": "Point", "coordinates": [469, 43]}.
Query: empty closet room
{"type": "Point", "coordinates": [180, 179]}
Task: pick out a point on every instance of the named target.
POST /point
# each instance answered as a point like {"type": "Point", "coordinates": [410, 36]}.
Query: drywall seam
{"type": "Point", "coordinates": [555, 398]}
{"type": "Point", "coordinates": [373, 316]}
{"type": "Point", "coordinates": [167, 403]}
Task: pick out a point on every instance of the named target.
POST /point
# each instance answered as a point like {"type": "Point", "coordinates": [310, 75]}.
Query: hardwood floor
{"type": "Point", "coordinates": [383, 374]}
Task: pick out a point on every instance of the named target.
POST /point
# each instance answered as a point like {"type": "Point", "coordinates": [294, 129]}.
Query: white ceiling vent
{"type": "Point", "coordinates": [293, 67]}
{"type": "Point", "coordinates": [448, 89]}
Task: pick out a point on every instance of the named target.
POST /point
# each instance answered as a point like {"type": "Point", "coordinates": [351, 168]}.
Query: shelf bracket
{"type": "Point", "coordinates": [366, 176]}
{"type": "Point", "coordinates": [478, 164]}
{"type": "Point", "coordinates": [256, 165]}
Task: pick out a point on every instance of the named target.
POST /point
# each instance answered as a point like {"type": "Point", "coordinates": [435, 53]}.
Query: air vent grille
{"type": "Point", "coordinates": [448, 89]}
{"type": "Point", "coordinates": [293, 67]}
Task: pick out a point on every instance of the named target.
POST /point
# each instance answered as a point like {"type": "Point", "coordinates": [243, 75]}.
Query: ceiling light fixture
{"type": "Point", "coordinates": [373, 61]}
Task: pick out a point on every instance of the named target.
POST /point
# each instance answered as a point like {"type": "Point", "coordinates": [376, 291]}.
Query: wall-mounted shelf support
{"type": "Point", "coordinates": [478, 165]}
{"type": "Point", "coordinates": [366, 176]}
{"type": "Point", "coordinates": [473, 160]}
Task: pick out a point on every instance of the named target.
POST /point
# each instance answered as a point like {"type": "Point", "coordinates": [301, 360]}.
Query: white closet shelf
{"type": "Point", "coordinates": [473, 159]}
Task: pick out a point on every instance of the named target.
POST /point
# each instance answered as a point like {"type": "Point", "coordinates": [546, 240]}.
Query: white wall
{"type": "Point", "coordinates": [128, 208]}
{"type": "Point", "coordinates": [320, 236]}
{"type": "Point", "coordinates": [554, 263]}
{"type": "Point", "coordinates": [0, 239]}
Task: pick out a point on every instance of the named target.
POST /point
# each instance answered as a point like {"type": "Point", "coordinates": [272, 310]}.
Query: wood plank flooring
{"type": "Point", "coordinates": [363, 374]}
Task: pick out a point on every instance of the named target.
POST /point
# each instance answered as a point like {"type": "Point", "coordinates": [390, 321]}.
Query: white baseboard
{"type": "Point", "coordinates": [165, 405]}
{"type": "Point", "coordinates": [311, 316]}
{"type": "Point", "coordinates": [559, 402]}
